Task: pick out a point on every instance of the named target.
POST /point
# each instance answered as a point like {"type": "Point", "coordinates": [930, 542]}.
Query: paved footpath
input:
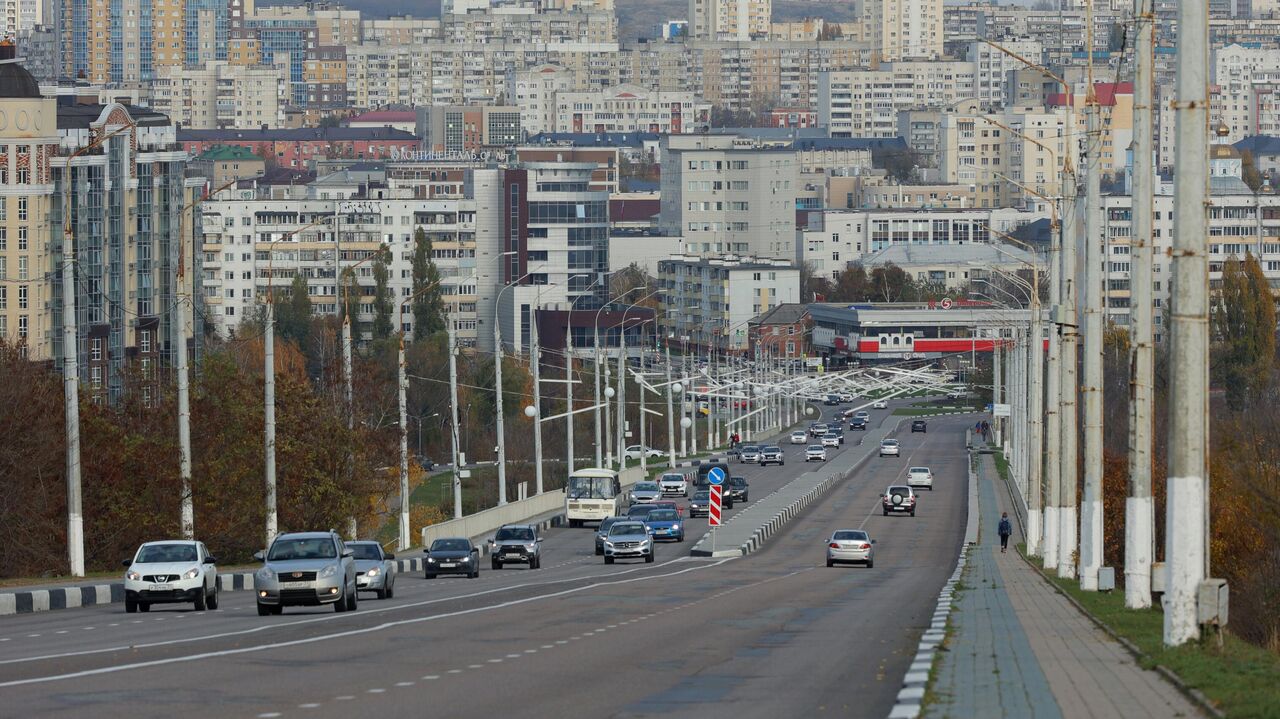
{"type": "Point", "coordinates": [1019, 649]}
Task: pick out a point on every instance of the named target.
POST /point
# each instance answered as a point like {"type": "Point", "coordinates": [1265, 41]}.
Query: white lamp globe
{"type": "Point", "coordinates": [530, 411]}
{"type": "Point", "coordinates": [608, 392]}
{"type": "Point", "coordinates": [685, 422]}
{"type": "Point", "coordinates": [677, 388]}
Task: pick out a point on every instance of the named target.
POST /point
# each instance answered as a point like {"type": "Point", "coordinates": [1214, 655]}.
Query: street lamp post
{"type": "Point", "coordinates": [497, 390]}
{"type": "Point", "coordinates": [403, 390]}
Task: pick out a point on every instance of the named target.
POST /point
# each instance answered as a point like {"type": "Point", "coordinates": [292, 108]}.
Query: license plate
{"type": "Point", "coordinates": [448, 565]}
{"type": "Point", "coordinates": [161, 587]}
{"type": "Point", "coordinates": [295, 585]}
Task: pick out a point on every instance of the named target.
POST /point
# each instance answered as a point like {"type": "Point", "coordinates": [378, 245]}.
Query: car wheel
{"type": "Point", "coordinates": [391, 591]}
{"type": "Point", "coordinates": [130, 606]}
{"type": "Point", "coordinates": [277, 610]}
{"type": "Point", "coordinates": [913, 512]}
{"type": "Point", "coordinates": [871, 563]}
{"type": "Point", "coordinates": [429, 575]}
{"type": "Point", "coordinates": [201, 601]}
{"type": "Point", "coordinates": [608, 560]}
{"type": "Point", "coordinates": [341, 604]}
{"type": "Point", "coordinates": [830, 563]}
{"type": "Point", "coordinates": [648, 558]}
{"type": "Point", "coordinates": [264, 610]}
{"type": "Point", "coordinates": [354, 601]}
{"type": "Point", "coordinates": [212, 602]}
{"type": "Point", "coordinates": [144, 607]}
{"type": "Point", "coordinates": [599, 552]}
{"type": "Point", "coordinates": [495, 564]}
{"type": "Point", "coordinates": [381, 593]}
{"type": "Point", "coordinates": [886, 512]}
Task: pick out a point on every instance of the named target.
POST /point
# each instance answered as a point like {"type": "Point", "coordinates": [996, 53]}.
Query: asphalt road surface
{"type": "Point", "coordinates": [774, 634]}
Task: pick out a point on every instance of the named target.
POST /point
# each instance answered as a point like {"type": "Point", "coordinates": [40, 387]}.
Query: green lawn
{"type": "Point", "coordinates": [1240, 679]}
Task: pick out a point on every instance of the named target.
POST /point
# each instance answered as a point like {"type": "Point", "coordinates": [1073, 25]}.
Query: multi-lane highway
{"type": "Point", "coordinates": [772, 634]}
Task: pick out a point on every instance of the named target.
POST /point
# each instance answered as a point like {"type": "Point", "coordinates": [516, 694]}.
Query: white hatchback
{"type": "Point", "coordinates": [920, 477]}
{"type": "Point", "coordinates": [172, 571]}
{"type": "Point", "coordinates": [880, 404]}
{"type": "Point", "coordinates": [799, 438]}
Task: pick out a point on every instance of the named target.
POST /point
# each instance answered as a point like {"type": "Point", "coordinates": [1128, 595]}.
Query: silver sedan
{"type": "Point", "coordinates": [852, 546]}
{"type": "Point", "coordinates": [375, 569]}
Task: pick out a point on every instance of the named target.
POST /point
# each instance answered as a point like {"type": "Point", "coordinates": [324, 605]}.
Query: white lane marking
{"type": "Point", "coordinates": [548, 646]}
{"type": "Point", "coordinates": [455, 671]}
{"type": "Point", "coordinates": [359, 631]}
{"type": "Point", "coordinates": [268, 715]}
{"type": "Point", "coordinates": [308, 705]}
{"type": "Point", "coordinates": [61, 631]}
{"type": "Point", "coordinates": [375, 690]}
{"type": "Point", "coordinates": [514, 656]}
{"type": "Point", "coordinates": [344, 698]}
{"type": "Point", "coordinates": [531, 651]}
{"type": "Point", "coordinates": [405, 684]}
{"type": "Point", "coordinates": [494, 661]}
{"type": "Point", "coordinates": [363, 612]}
{"type": "Point", "coordinates": [430, 677]}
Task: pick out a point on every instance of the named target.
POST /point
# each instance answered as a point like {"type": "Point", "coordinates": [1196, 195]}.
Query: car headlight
{"type": "Point", "coordinates": [608, 544]}
{"type": "Point", "coordinates": [431, 560]}
{"type": "Point", "coordinates": [265, 574]}
{"type": "Point", "coordinates": [531, 547]}
{"type": "Point", "coordinates": [675, 527]}
{"type": "Point", "coordinates": [191, 573]}
{"type": "Point", "coordinates": [132, 575]}
{"type": "Point", "coordinates": [374, 572]}
{"type": "Point", "coordinates": [328, 571]}
{"type": "Point", "coordinates": [633, 496]}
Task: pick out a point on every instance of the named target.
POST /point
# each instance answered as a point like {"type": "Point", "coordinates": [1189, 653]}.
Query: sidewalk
{"type": "Point", "coordinates": [1019, 649]}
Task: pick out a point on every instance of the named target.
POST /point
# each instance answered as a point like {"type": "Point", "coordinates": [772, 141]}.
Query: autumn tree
{"type": "Point", "coordinates": [428, 302]}
{"type": "Point", "coordinates": [382, 326]}
{"type": "Point", "coordinates": [293, 312]}
{"type": "Point", "coordinates": [1243, 327]}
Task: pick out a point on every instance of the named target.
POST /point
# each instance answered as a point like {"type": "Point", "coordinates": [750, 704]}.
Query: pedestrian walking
{"type": "Point", "coordinates": [1006, 528]}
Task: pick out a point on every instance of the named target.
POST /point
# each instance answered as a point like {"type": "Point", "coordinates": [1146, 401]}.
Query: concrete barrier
{"type": "Point", "coordinates": [543, 507]}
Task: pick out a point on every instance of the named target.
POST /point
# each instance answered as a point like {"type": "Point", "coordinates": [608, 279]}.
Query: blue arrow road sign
{"type": "Point", "coordinates": [716, 476]}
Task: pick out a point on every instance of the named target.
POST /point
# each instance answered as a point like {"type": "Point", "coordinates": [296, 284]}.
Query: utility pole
{"type": "Point", "coordinates": [622, 396]}
{"type": "Point", "coordinates": [1067, 514]}
{"type": "Point", "coordinates": [1139, 521]}
{"type": "Point", "coordinates": [403, 385]}
{"type": "Point", "coordinates": [1035, 493]}
{"type": "Point", "coordinates": [568, 392]}
{"type": "Point", "coordinates": [671, 420]}
{"type": "Point", "coordinates": [453, 417]}
{"type": "Point", "coordinates": [179, 342]}
{"type": "Point", "coordinates": [1091, 537]}
{"type": "Point", "coordinates": [644, 447]}
{"type": "Point", "coordinates": [1186, 545]}
{"type": "Point", "coordinates": [1053, 393]}
{"type": "Point", "coordinates": [595, 373]}
{"type": "Point", "coordinates": [269, 411]}
{"type": "Point", "coordinates": [684, 402]}
{"type": "Point", "coordinates": [997, 388]}
{"type": "Point", "coordinates": [535, 358]}
{"type": "Point", "coordinates": [497, 393]}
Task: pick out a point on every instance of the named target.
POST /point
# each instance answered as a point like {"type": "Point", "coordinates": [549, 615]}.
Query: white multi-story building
{"type": "Point", "coordinates": [974, 149]}
{"type": "Point", "coordinates": [900, 29]}
{"type": "Point", "coordinates": [708, 301]}
{"type": "Point", "coordinates": [629, 108]}
{"type": "Point", "coordinates": [220, 95]}
{"type": "Point", "coordinates": [533, 90]}
{"type": "Point", "coordinates": [866, 103]}
{"type": "Point", "coordinates": [834, 238]}
{"type": "Point", "coordinates": [729, 19]}
{"type": "Point", "coordinates": [1246, 80]}
{"type": "Point", "coordinates": [726, 194]}
{"type": "Point", "coordinates": [992, 68]}
{"type": "Point", "coordinates": [322, 239]}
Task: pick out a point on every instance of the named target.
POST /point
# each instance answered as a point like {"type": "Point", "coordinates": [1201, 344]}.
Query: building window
{"type": "Point", "coordinates": [22, 239]}
{"type": "Point", "coordinates": [22, 208]}
{"type": "Point", "coordinates": [144, 341]}
{"type": "Point", "coordinates": [95, 350]}
{"type": "Point", "coordinates": [22, 297]}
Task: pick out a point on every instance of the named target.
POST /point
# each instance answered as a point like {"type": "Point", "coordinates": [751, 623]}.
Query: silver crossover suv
{"type": "Point", "coordinates": [306, 569]}
{"type": "Point", "coordinates": [628, 540]}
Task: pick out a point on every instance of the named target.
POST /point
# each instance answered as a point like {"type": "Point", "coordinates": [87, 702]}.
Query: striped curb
{"type": "Point", "coordinates": [911, 697]}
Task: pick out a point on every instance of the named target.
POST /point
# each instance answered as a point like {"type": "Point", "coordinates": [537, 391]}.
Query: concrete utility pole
{"type": "Point", "coordinates": [1139, 521]}
{"type": "Point", "coordinates": [179, 341]}
{"type": "Point", "coordinates": [1091, 516]}
{"type": "Point", "coordinates": [999, 394]}
{"type": "Point", "coordinates": [622, 396]}
{"type": "Point", "coordinates": [269, 412]}
{"type": "Point", "coordinates": [1067, 514]}
{"type": "Point", "coordinates": [568, 392]}
{"type": "Point", "coordinates": [1186, 545]}
{"type": "Point", "coordinates": [596, 375]}
{"type": "Point", "coordinates": [671, 421]}
{"type": "Point", "coordinates": [1053, 396]}
{"type": "Point", "coordinates": [1035, 494]}
{"type": "Point", "coordinates": [403, 386]}
{"type": "Point", "coordinates": [497, 394]}
{"type": "Point", "coordinates": [535, 358]}
{"type": "Point", "coordinates": [684, 403]}
{"type": "Point", "coordinates": [453, 417]}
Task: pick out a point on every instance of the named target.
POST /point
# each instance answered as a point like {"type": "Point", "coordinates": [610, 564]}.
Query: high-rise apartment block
{"type": "Point", "coordinates": [898, 29]}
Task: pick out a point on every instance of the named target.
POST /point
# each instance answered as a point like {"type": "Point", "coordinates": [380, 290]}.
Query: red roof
{"type": "Point", "coordinates": [1106, 92]}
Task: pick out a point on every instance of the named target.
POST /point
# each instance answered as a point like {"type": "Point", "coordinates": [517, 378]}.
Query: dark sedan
{"type": "Point", "coordinates": [454, 555]}
{"type": "Point", "coordinates": [603, 531]}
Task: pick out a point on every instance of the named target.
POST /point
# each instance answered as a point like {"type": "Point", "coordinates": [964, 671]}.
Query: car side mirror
{"type": "Point", "coordinates": [127, 562]}
{"type": "Point", "coordinates": [389, 555]}
{"type": "Point", "coordinates": [426, 551]}
{"type": "Point", "coordinates": [873, 541]}
{"type": "Point", "coordinates": [539, 540]}
{"type": "Point", "coordinates": [347, 553]}
{"type": "Point", "coordinates": [260, 555]}
{"type": "Point", "coordinates": [491, 540]}
{"type": "Point", "coordinates": [210, 560]}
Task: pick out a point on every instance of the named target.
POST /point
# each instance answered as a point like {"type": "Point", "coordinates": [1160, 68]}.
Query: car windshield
{"type": "Point", "coordinates": [701, 496]}
{"type": "Point", "coordinates": [672, 477]}
{"type": "Point", "coordinates": [900, 490]}
{"type": "Point", "coordinates": [737, 481]}
{"type": "Point", "coordinates": [645, 487]}
{"type": "Point", "coordinates": [890, 443]}
{"type": "Point", "coordinates": [773, 449]}
{"type": "Point", "coordinates": [618, 530]}
{"type": "Point", "coordinates": [286, 549]}
{"type": "Point", "coordinates": [163, 553]}
{"type": "Point", "coordinates": [815, 448]}
{"type": "Point", "coordinates": [919, 470]}
{"type": "Point", "coordinates": [663, 515]}
{"type": "Point", "coordinates": [751, 448]}
{"type": "Point", "coordinates": [850, 535]}
{"type": "Point", "coordinates": [450, 545]}
{"type": "Point", "coordinates": [364, 551]}
{"type": "Point", "coordinates": [515, 534]}
{"type": "Point", "coordinates": [639, 510]}
{"type": "Point", "coordinates": [590, 488]}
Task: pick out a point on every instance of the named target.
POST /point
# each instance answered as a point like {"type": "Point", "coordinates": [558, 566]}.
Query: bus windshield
{"type": "Point", "coordinates": [590, 488]}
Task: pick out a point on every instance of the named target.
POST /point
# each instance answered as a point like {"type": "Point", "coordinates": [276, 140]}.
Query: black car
{"type": "Point", "coordinates": [738, 489]}
{"type": "Point", "coordinates": [455, 555]}
{"type": "Point", "coordinates": [858, 423]}
{"type": "Point", "coordinates": [700, 505]}
{"type": "Point", "coordinates": [603, 531]}
{"type": "Point", "coordinates": [919, 425]}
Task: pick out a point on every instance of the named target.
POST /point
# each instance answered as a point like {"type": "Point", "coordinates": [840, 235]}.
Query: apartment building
{"type": "Point", "coordinates": [729, 195]}
{"type": "Point", "coordinates": [765, 73]}
{"type": "Point", "coordinates": [1246, 80]}
{"type": "Point", "coordinates": [222, 95]}
{"type": "Point", "coordinates": [1116, 103]}
{"type": "Point", "coordinates": [981, 150]}
{"type": "Point", "coordinates": [729, 19]}
{"type": "Point", "coordinates": [993, 69]}
{"type": "Point", "coordinates": [468, 128]}
{"type": "Point", "coordinates": [866, 103]}
{"type": "Point", "coordinates": [296, 148]}
{"type": "Point", "coordinates": [629, 108]}
{"type": "Point", "coordinates": [253, 242]}
{"type": "Point", "coordinates": [708, 301]}
{"type": "Point", "coordinates": [533, 90]}
{"type": "Point", "coordinates": [898, 29]}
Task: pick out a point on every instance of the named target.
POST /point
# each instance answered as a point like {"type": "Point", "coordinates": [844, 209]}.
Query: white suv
{"type": "Point", "coordinates": [171, 571]}
{"type": "Point", "coordinates": [920, 477]}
